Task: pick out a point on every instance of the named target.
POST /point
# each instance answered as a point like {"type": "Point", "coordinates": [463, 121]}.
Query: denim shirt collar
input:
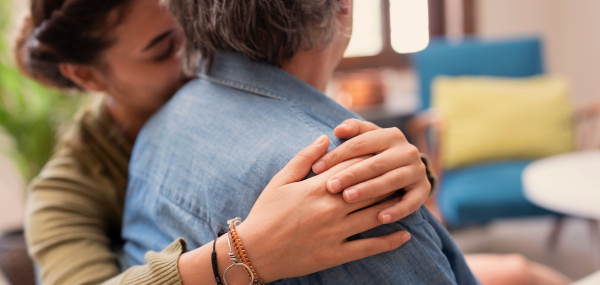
{"type": "Point", "coordinates": [236, 71]}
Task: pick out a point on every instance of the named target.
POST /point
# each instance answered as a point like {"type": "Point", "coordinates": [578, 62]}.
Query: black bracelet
{"type": "Point", "coordinates": [213, 259]}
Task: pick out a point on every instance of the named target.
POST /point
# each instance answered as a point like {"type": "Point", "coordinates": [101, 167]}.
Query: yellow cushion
{"type": "Point", "coordinates": [487, 118]}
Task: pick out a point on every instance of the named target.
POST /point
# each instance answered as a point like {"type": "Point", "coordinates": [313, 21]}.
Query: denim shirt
{"type": "Point", "coordinates": [207, 155]}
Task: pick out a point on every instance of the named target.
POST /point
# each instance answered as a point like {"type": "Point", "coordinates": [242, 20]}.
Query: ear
{"type": "Point", "coordinates": [84, 76]}
{"type": "Point", "coordinates": [347, 7]}
{"type": "Point", "coordinates": [344, 17]}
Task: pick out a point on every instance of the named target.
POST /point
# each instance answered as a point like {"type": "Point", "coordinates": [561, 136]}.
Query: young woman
{"type": "Point", "coordinates": [127, 49]}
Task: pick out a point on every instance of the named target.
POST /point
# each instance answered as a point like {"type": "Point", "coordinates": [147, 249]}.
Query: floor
{"type": "Point", "coordinates": [573, 255]}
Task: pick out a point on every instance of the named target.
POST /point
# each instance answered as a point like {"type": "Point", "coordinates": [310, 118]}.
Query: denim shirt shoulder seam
{"type": "Point", "coordinates": [260, 91]}
{"type": "Point", "coordinates": [244, 87]}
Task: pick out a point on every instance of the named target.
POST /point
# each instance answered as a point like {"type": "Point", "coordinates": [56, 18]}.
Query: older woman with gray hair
{"type": "Point", "coordinates": [268, 62]}
{"type": "Point", "coordinates": [260, 91]}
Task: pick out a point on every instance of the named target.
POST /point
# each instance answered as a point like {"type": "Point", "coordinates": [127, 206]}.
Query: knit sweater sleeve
{"type": "Point", "coordinates": [66, 229]}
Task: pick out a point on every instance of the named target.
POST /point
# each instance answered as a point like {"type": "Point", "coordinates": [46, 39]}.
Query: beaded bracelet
{"type": "Point", "coordinates": [239, 247]}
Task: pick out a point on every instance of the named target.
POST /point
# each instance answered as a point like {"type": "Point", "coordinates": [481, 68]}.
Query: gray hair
{"type": "Point", "coordinates": [263, 30]}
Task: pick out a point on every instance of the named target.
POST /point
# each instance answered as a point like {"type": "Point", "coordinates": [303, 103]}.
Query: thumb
{"type": "Point", "coordinates": [301, 164]}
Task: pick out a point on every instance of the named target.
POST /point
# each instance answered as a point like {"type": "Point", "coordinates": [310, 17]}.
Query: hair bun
{"type": "Point", "coordinates": [36, 61]}
{"type": "Point", "coordinates": [65, 31]}
{"type": "Point", "coordinates": [21, 49]}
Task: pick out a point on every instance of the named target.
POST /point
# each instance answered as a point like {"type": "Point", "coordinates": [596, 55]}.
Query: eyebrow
{"type": "Point", "coordinates": [157, 40]}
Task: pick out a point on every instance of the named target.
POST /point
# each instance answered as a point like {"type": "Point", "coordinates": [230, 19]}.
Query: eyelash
{"type": "Point", "coordinates": [166, 54]}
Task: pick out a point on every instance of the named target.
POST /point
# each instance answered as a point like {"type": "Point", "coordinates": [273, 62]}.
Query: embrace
{"type": "Point", "coordinates": [224, 102]}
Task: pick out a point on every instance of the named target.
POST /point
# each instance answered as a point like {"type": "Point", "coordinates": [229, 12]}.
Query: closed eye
{"type": "Point", "coordinates": [167, 53]}
{"type": "Point", "coordinates": [158, 39]}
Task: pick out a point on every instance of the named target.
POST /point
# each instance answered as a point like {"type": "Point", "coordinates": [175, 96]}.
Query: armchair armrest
{"type": "Point", "coordinates": [424, 129]}
{"type": "Point", "coordinates": [587, 126]}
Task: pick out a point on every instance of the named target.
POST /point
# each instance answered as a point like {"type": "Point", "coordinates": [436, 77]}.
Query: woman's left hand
{"type": "Point", "coordinates": [396, 165]}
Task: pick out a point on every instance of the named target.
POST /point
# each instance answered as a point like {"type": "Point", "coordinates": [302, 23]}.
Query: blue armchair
{"type": "Point", "coordinates": [478, 193]}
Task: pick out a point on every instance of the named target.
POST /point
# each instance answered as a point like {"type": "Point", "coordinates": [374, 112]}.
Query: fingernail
{"type": "Point", "coordinates": [335, 185]}
{"type": "Point", "coordinates": [320, 140]}
{"type": "Point", "coordinates": [351, 194]}
{"type": "Point", "coordinates": [319, 167]}
{"type": "Point", "coordinates": [387, 219]}
{"type": "Point", "coordinates": [405, 236]}
{"type": "Point", "coordinates": [344, 126]}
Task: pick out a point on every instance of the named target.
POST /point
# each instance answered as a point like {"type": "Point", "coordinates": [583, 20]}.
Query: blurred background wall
{"type": "Point", "coordinates": [570, 30]}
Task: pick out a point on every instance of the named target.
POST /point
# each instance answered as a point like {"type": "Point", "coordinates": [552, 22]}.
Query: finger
{"type": "Point", "coordinates": [359, 249]}
{"type": "Point", "coordinates": [353, 127]}
{"type": "Point", "coordinates": [300, 165]}
{"type": "Point", "coordinates": [371, 142]}
{"type": "Point", "coordinates": [388, 182]}
{"type": "Point", "coordinates": [326, 176]}
{"type": "Point", "coordinates": [374, 167]}
{"type": "Point", "coordinates": [366, 219]}
{"type": "Point", "coordinates": [410, 202]}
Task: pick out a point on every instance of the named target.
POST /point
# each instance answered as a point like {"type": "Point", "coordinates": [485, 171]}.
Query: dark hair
{"type": "Point", "coordinates": [65, 31]}
{"type": "Point", "coordinates": [262, 30]}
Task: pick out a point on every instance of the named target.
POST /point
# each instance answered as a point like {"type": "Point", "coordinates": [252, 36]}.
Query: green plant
{"type": "Point", "coordinates": [30, 113]}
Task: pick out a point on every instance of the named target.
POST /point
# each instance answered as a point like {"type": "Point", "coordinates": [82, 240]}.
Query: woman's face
{"type": "Point", "coordinates": [142, 68]}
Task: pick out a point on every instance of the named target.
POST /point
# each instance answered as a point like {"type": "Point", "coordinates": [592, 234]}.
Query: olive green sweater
{"type": "Point", "coordinates": [75, 207]}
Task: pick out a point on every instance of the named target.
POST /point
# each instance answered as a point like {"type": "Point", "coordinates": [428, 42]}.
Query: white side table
{"type": "Point", "coordinates": [569, 184]}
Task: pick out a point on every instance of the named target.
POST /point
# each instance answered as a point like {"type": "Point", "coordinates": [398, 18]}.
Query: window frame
{"type": "Point", "coordinates": [388, 57]}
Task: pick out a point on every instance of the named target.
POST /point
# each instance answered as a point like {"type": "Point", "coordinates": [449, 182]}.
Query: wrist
{"type": "Point", "coordinates": [195, 266]}
{"type": "Point", "coordinates": [258, 252]}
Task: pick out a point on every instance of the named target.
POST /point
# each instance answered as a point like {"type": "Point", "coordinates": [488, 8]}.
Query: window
{"type": "Point", "coordinates": [367, 36]}
{"type": "Point", "coordinates": [409, 25]}
{"type": "Point", "coordinates": [385, 30]}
